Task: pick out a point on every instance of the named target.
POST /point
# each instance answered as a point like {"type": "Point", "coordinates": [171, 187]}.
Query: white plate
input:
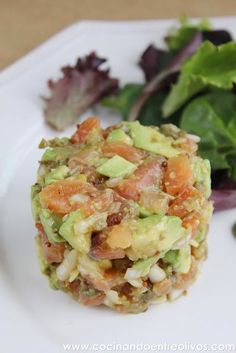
{"type": "Point", "coordinates": [34, 318]}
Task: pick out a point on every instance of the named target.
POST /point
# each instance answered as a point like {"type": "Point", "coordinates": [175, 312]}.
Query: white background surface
{"type": "Point", "coordinates": [34, 318]}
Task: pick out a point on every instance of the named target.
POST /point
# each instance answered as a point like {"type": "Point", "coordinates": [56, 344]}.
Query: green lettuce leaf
{"type": "Point", "coordinates": [213, 117]}
{"type": "Point", "coordinates": [150, 113]}
{"type": "Point", "coordinates": [123, 101]}
{"type": "Point", "coordinates": [179, 36]}
{"type": "Point", "coordinates": [211, 66]}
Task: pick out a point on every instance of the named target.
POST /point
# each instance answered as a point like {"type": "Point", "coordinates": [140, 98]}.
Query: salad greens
{"type": "Point", "coordinates": [234, 229]}
{"type": "Point", "coordinates": [178, 37]}
{"type": "Point", "coordinates": [211, 66]}
{"type": "Point", "coordinates": [124, 99]}
{"type": "Point", "coordinates": [190, 83]}
{"type": "Point", "coordinates": [199, 98]}
{"type": "Point", "coordinates": [150, 114]}
{"type": "Point", "coordinates": [213, 117]}
{"type": "Point", "coordinates": [78, 89]}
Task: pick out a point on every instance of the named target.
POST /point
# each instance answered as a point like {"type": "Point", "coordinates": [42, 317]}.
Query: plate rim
{"type": "Point", "coordinates": [21, 65]}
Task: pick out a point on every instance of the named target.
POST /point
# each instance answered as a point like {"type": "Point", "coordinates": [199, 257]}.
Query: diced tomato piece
{"type": "Point", "coordinates": [56, 197]}
{"type": "Point", "coordinates": [101, 200]}
{"type": "Point", "coordinates": [128, 152]}
{"type": "Point", "coordinates": [192, 221]}
{"type": "Point", "coordinates": [100, 249]}
{"type": "Point", "coordinates": [98, 283]}
{"type": "Point", "coordinates": [53, 253]}
{"type": "Point", "coordinates": [187, 201]}
{"type": "Point", "coordinates": [89, 171]}
{"type": "Point", "coordinates": [84, 129]}
{"type": "Point", "coordinates": [154, 200]}
{"type": "Point", "coordinates": [128, 189]}
{"type": "Point", "coordinates": [189, 146]}
{"type": "Point", "coordinates": [105, 253]}
{"type": "Point", "coordinates": [178, 174]}
{"type": "Point", "coordinates": [148, 174]}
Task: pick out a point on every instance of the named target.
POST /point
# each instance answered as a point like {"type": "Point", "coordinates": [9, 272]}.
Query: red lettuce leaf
{"type": "Point", "coordinates": [224, 191]}
{"type": "Point", "coordinates": [223, 199]}
{"type": "Point", "coordinates": [217, 36]}
{"type": "Point", "coordinates": [80, 87]}
{"type": "Point", "coordinates": [153, 60]}
{"type": "Point", "coordinates": [167, 75]}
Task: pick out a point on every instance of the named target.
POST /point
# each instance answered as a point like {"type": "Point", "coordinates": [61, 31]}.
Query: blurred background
{"type": "Point", "coordinates": [24, 24]}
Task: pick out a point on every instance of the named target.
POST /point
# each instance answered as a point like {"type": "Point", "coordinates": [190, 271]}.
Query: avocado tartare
{"type": "Point", "coordinates": [122, 213]}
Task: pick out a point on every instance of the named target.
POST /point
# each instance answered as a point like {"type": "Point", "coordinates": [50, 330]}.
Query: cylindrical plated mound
{"type": "Point", "coordinates": [122, 213]}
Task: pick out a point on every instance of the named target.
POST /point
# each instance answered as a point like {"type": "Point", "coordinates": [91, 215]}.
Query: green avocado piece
{"type": "Point", "coordinates": [143, 266]}
{"type": "Point", "coordinates": [140, 210]}
{"type": "Point", "coordinates": [119, 135]}
{"type": "Point", "coordinates": [184, 260]}
{"type": "Point", "coordinates": [56, 142]}
{"type": "Point", "coordinates": [80, 242]}
{"type": "Point", "coordinates": [206, 216]}
{"type": "Point", "coordinates": [51, 224]}
{"type": "Point", "coordinates": [56, 174]}
{"type": "Point", "coordinates": [116, 167]}
{"type": "Point", "coordinates": [43, 264]}
{"type": "Point", "coordinates": [171, 257]}
{"type": "Point", "coordinates": [154, 234]}
{"type": "Point", "coordinates": [202, 175]}
{"type": "Point", "coordinates": [101, 161]}
{"type": "Point", "coordinates": [53, 281]}
{"type": "Point", "coordinates": [201, 234]}
{"type": "Point", "coordinates": [150, 139]}
{"type": "Point", "coordinates": [179, 259]}
{"type": "Point", "coordinates": [45, 267]}
{"type": "Point", "coordinates": [143, 212]}
{"type": "Point", "coordinates": [57, 154]}
{"type": "Point", "coordinates": [35, 203]}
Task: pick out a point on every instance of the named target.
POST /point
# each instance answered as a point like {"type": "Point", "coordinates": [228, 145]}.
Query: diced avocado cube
{"type": "Point", "coordinates": [150, 139]}
{"type": "Point", "coordinates": [154, 234]}
{"type": "Point", "coordinates": [184, 260]}
{"type": "Point", "coordinates": [51, 224]}
{"type": "Point", "coordinates": [81, 177]}
{"type": "Point", "coordinates": [119, 135]}
{"type": "Point", "coordinates": [59, 153]}
{"type": "Point", "coordinates": [56, 142]}
{"type": "Point", "coordinates": [143, 266]}
{"type": "Point", "coordinates": [53, 154]}
{"type": "Point", "coordinates": [80, 242]}
{"type": "Point", "coordinates": [58, 173]}
{"type": "Point", "coordinates": [101, 161]}
{"type": "Point", "coordinates": [141, 211]}
{"type": "Point", "coordinates": [201, 234]}
{"type": "Point", "coordinates": [53, 280]}
{"type": "Point", "coordinates": [35, 203]}
{"type": "Point", "coordinates": [116, 167]}
{"type": "Point", "coordinates": [179, 259]}
{"type": "Point", "coordinates": [171, 257]}
{"type": "Point", "coordinates": [202, 175]}
{"type": "Point", "coordinates": [43, 264]}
